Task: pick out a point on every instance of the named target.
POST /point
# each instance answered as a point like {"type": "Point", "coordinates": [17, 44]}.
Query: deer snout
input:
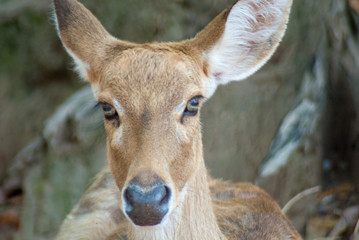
{"type": "Point", "coordinates": [147, 205]}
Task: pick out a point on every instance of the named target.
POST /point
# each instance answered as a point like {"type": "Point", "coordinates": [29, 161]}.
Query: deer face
{"type": "Point", "coordinates": [151, 94]}
{"type": "Point", "coordinates": [151, 100]}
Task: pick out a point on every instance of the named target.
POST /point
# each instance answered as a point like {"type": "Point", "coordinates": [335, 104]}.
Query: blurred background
{"type": "Point", "coordinates": [292, 128]}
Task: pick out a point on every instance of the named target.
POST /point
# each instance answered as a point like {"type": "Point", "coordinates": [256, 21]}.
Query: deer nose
{"type": "Point", "coordinates": [147, 205]}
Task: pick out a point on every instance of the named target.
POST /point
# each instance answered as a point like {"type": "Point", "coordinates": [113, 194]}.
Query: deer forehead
{"type": "Point", "coordinates": [144, 79]}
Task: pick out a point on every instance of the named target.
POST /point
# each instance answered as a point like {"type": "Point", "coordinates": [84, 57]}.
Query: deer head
{"type": "Point", "coordinates": [151, 94]}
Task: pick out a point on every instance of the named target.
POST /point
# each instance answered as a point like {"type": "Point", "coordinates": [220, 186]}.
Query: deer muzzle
{"type": "Point", "coordinates": [146, 204]}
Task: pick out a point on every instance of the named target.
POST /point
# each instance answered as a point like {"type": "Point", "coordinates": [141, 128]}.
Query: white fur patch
{"type": "Point", "coordinates": [95, 90]}
{"type": "Point", "coordinates": [119, 108]}
{"type": "Point", "coordinates": [180, 108]}
{"type": "Point", "coordinates": [117, 137]}
{"type": "Point", "coordinates": [181, 134]}
{"type": "Point", "coordinates": [123, 202]}
{"type": "Point", "coordinates": [250, 23]}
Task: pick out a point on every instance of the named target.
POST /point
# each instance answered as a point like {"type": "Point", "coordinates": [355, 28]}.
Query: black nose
{"type": "Point", "coordinates": [147, 205]}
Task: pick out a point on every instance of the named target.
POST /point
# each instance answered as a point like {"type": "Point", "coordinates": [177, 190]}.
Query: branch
{"type": "Point", "coordinates": [299, 196]}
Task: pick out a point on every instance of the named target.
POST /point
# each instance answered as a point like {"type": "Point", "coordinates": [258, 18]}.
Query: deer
{"type": "Point", "coordinates": [155, 184]}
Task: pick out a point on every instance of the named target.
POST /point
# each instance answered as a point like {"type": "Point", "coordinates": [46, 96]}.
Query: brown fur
{"type": "Point", "coordinates": [152, 139]}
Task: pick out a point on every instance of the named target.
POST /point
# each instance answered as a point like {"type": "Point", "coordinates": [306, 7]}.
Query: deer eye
{"type": "Point", "coordinates": [109, 111]}
{"type": "Point", "coordinates": [192, 106]}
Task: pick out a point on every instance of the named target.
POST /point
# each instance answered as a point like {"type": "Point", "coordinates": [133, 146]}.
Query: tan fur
{"type": "Point", "coordinates": [149, 85]}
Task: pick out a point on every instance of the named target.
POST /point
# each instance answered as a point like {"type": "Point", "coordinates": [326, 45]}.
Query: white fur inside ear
{"type": "Point", "coordinates": [249, 24]}
{"type": "Point", "coordinates": [81, 67]}
{"type": "Point", "coordinates": [210, 86]}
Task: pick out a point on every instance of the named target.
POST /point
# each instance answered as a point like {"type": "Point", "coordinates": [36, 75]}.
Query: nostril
{"type": "Point", "coordinates": [132, 193]}
{"type": "Point", "coordinates": [128, 195]}
{"type": "Point", "coordinates": [166, 197]}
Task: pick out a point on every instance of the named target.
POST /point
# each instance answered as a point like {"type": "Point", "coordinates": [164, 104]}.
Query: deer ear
{"type": "Point", "coordinates": [82, 35]}
{"type": "Point", "coordinates": [242, 38]}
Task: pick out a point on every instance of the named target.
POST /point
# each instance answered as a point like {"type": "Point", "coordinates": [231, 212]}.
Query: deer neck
{"type": "Point", "coordinates": [198, 220]}
{"type": "Point", "coordinates": [193, 219]}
